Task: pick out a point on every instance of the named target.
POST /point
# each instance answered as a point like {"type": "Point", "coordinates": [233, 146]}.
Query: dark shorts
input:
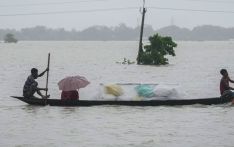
{"type": "Point", "coordinates": [29, 93]}
{"type": "Point", "coordinates": [228, 93]}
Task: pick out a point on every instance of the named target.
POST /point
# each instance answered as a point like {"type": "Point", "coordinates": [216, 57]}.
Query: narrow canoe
{"type": "Point", "coordinates": [58, 102]}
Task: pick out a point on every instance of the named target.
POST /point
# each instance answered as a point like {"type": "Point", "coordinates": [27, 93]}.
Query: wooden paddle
{"type": "Point", "coordinates": [47, 76]}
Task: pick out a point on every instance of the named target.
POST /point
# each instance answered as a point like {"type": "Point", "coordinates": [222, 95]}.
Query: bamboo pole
{"type": "Point", "coordinates": [47, 76]}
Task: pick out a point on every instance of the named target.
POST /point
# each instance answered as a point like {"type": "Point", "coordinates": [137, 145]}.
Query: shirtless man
{"type": "Point", "coordinates": [30, 86]}
{"type": "Point", "coordinates": [224, 83]}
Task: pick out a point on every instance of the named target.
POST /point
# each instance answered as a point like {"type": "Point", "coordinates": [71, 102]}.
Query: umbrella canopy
{"type": "Point", "coordinates": [73, 83]}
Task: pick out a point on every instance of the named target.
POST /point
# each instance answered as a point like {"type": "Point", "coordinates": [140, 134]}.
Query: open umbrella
{"type": "Point", "coordinates": [73, 83]}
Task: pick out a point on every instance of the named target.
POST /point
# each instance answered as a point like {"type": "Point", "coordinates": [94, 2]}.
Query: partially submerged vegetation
{"type": "Point", "coordinates": [9, 38]}
{"type": "Point", "coordinates": [126, 61]}
{"type": "Point", "coordinates": [155, 52]}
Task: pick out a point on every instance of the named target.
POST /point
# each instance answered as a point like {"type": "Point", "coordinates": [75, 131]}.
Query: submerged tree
{"type": "Point", "coordinates": [9, 38]}
{"type": "Point", "coordinates": [154, 54]}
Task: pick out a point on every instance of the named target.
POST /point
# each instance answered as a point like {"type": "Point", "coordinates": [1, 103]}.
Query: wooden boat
{"type": "Point", "coordinates": [58, 102]}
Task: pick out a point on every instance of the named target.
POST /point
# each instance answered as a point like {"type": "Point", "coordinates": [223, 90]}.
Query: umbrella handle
{"type": "Point", "coordinates": [47, 76]}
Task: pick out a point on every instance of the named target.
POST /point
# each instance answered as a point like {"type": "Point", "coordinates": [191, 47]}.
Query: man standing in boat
{"type": "Point", "coordinates": [30, 86]}
{"type": "Point", "coordinates": [224, 83]}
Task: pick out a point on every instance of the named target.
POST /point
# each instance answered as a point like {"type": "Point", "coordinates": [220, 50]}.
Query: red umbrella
{"type": "Point", "coordinates": [73, 83]}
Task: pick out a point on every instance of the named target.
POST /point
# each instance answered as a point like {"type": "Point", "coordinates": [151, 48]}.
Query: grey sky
{"type": "Point", "coordinates": [131, 16]}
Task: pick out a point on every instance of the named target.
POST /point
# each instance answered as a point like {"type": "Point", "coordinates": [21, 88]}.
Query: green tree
{"type": "Point", "coordinates": [9, 38]}
{"type": "Point", "coordinates": [154, 54]}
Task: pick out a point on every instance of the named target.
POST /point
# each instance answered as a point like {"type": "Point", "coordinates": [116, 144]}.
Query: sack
{"type": "Point", "coordinates": [145, 91]}
{"type": "Point", "coordinates": [114, 89]}
{"type": "Point", "coordinates": [166, 92]}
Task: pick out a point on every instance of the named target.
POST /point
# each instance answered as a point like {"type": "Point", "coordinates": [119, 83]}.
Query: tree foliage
{"type": "Point", "coordinates": [9, 38]}
{"type": "Point", "coordinates": [154, 54]}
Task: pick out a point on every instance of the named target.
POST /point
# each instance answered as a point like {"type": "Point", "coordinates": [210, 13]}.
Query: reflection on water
{"type": "Point", "coordinates": [195, 69]}
{"type": "Point", "coordinates": [30, 108]}
{"type": "Point", "coordinates": [68, 110]}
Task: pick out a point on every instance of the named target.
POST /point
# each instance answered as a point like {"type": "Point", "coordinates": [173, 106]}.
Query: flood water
{"type": "Point", "coordinates": [195, 70]}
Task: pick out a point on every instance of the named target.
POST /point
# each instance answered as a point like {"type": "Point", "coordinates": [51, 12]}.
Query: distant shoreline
{"type": "Point", "coordinates": [121, 33]}
{"type": "Point", "coordinates": [2, 41]}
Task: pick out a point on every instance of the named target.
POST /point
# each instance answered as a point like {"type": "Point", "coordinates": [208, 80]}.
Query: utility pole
{"type": "Point", "coordinates": [141, 33]}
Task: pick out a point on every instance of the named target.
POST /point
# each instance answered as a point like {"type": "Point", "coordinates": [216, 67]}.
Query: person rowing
{"type": "Point", "coordinates": [31, 85]}
{"type": "Point", "coordinates": [225, 89]}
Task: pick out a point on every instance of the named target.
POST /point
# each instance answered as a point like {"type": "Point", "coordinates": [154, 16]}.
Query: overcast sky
{"type": "Point", "coordinates": [80, 14]}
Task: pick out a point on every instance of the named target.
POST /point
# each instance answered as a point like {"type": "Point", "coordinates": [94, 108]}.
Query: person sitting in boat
{"type": "Point", "coordinates": [225, 89]}
{"type": "Point", "coordinates": [70, 95]}
{"type": "Point", "coordinates": [31, 86]}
